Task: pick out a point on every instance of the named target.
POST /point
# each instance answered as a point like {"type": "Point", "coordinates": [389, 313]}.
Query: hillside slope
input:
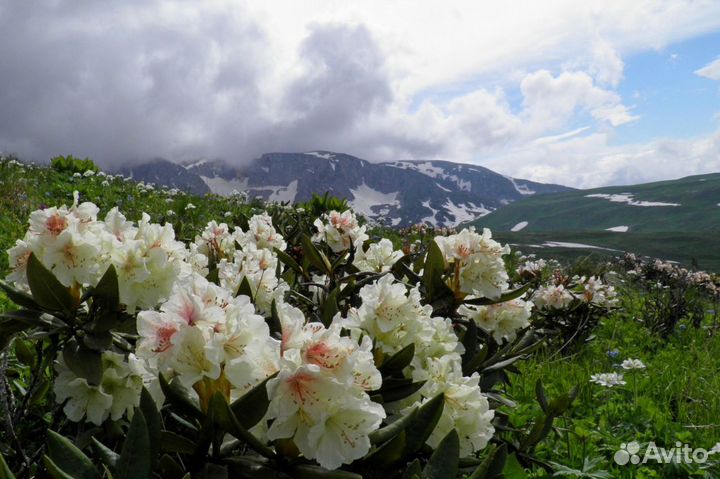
{"type": "Point", "coordinates": [676, 220]}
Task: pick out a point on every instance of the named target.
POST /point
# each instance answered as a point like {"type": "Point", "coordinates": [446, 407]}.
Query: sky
{"type": "Point", "coordinates": [583, 94]}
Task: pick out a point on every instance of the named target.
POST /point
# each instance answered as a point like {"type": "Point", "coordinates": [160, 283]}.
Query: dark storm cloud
{"type": "Point", "coordinates": [129, 80]}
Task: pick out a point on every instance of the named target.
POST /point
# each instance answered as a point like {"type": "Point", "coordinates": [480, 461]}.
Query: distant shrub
{"type": "Point", "coordinates": [326, 203]}
{"type": "Point", "coordinates": [70, 164]}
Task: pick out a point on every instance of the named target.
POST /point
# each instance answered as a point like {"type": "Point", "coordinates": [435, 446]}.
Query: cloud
{"type": "Point", "coordinates": [711, 70]}
{"type": "Point", "coordinates": [222, 78]}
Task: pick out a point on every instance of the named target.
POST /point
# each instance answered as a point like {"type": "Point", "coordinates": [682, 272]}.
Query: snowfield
{"type": "Point", "coordinates": [628, 199]}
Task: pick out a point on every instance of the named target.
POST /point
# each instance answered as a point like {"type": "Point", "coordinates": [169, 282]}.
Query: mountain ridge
{"type": "Point", "coordinates": [395, 193]}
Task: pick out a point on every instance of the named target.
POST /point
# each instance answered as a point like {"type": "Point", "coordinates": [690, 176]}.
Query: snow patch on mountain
{"type": "Point", "coordinates": [519, 226]}
{"type": "Point", "coordinates": [628, 199]}
{"type": "Point", "coordinates": [618, 229]}
{"type": "Point", "coordinates": [325, 156]}
{"type": "Point", "coordinates": [366, 198]}
{"type": "Point", "coordinates": [564, 244]}
{"type": "Point", "coordinates": [432, 219]}
{"type": "Point", "coordinates": [522, 189]}
{"type": "Point", "coordinates": [464, 212]}
{"type": "Point", "coordinates": [221, 186]}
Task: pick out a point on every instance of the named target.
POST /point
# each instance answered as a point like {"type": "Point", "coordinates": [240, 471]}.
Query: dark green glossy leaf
{"type": "Point", "coordinates": [330, 307]}
{"type": "Point", "coordinates": [173, 442]}
{"type": "Point", "coordinates": [18, 297]}
{"type": "Point", "coordinates": [23, 352]}
{"type": "Point", "coordinates": [434, 269]}
{"type": "Point", "coordinates": [54, 471]}
{"type": "Point", "coordinates": [315, 256]}
{"type": "Point", "coordinates": [307, 471]}
{"type": "Point", "coordinates": [509, 296]}
{"type": "Point", "coordinates": [179, 398]}
{"type": "Point", "coordinates": [226, 419]}
{"type": "Point", "coordinates": [419, 430]}
{"type": "Point", "coordinates": [398, 361]}
{"type": "Point", "coordinates": [493, 465]}
{"type": "Point", "coordinates": [443, 463]}
{"type": "Point", "coordinates": [68, 458]}
{"type": "Point", "coordinates": [84, 362]}
{"type": "Point", "coordinates": [108, 457]}
{"type": "Point", "coordinates": [395, 389]}
{"type": "Point", "coordinates": [107, 289]}
{"type": "Point", "coordinates": [5, 472]}
{"type": "Point", "coordinates": [153, 420]}
{"type": "Point", "coordinates": [135, 458]}
{"type": "Point", "coordinates": [413, 471]}
{"type": "Point", "coordinates": [46, 290]}
{"type": "Point", "coordinates": [393, 429]}
{"type": "Point", "coordinates": [288, 261]}
{"type": "Point", "coordinates": [540, 394]}
{"type": "Point", "coordinates": [252, 406]}
{"type": "Point", "coordinates": [245, 289]}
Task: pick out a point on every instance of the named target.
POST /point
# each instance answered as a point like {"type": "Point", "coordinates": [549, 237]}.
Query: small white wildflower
{"type": "Point", "coordinates": [227, 214]}
{"type": "Point", "coordinates": [190, 206]}
{"type": "Point", "coordinates": [89, 173]}
{"type": "Point", "coordinates": [632, 364]}
{"type": "Point", "coordinates": [169, 213]}
{"type": "Point", "coordinates": [607, 380]}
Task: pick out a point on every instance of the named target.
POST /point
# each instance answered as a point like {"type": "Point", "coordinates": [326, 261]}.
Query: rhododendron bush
{"type": "Point", "coordinates": [284, 348]}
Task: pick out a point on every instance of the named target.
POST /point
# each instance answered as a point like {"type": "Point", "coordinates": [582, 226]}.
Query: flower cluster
{"type": "Point", "coordinates": [340, 231]}
{"type": "Point", "coordinates": [78, 248]}
{"type": "Point", "coordinates": [394, 318]}
{"type": "Point", "coordinates": [589, 290]}
{"type": "Point", "coordinates": [478, 262]}
{"type": "Point", "coordinates": [502, 320]}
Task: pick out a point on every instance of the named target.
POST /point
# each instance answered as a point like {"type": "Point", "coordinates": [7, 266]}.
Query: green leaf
{"type": "Point", "coordinates": [493, 465]}
{"type": "Point", "coordinates": [179, 397]}
{"type": "Point", "coordinates": [288, 261]}
{"type": "Point", "coordinates": [443, 463]}
{"type": "Point", "coordinates": [173, 442]}
{"type": "Point", "coordinates": [509, 296]}
{"type": "Point", "coordinates": [386, 433]}
{"type": "Point", "coordinates": [330, 307]}
{"type": "Point", "coordinates": [153, 420]}
{"type": "Point", "coordinates": [68, 458]}
{"type": "Point", "coordinates": [434, 269]}
{"type": "Point", "coordinates": [84, 362]}
{"type": "Point", "coordinates": [108, 290]}
{"type": "Point", "coordinates": [54, 470]}
{"type": "Point", "coordinates": [307, 471]}
{"type": "Point", "coordinates": [395, 389]}
{"type": "Point", "coordinates": [540, 394]}
{"type": "Point", "coordinates": [413, 471]}
{"type": "Point", "coordinates": [169, 468]}
{"type": "Point", "coordinates": [5, 472]}
{"type": "Point", "coordinates": [212, 471]}
{"type": "Point", "coordinates": [419, 430]}
{"type": "Point", "coordinates": [398, 361]}
{"type": "Point", "coordinates": [46, 290]}
{"type": "Point", "coordinates": [251, 407]}
{"type": "Point", "coordinates": [135, 458]}
{"type": "Point", "coordinates": [23, 353]}
{"type": "Point", "coordinates": [315, 256]}
{"type": "Point", "coordinates": [226, 419]}
{"type": "Point", "coordinates": [18, 297]}
{"type": "Point", "coordinates": [245, 289]}
{"type": "Point", "coordinates": [108, 457]}
{"type": "Point", "coordinates": [273, 321]}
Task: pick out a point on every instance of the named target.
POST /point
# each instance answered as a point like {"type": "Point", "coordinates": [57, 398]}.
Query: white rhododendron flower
{"type": "Point", "coordinates": [319, 397]}
{"type": "Point", "coordinates": [117, 394]}
{"type": "Point", "coordinates": [552, 297]}
{"type": "Point", "coordinates": [259, 267]}
{"type": "Point", "coordinates": [216, 242]}
{"type": "Point", "coordinates": [598, 293]}
{"type": "Point", "coordinates": [478, 259]}
{"type": "Point", "coordinates": [261, 234]}
{"type": "Point", "coordinates": [502, 320]}
{"type": "Point", "coordinates": [378, 258]}
{"type": "Point", "coordinates": [339, 230]}
{"type": "Point", "coordinates": [203, 332]}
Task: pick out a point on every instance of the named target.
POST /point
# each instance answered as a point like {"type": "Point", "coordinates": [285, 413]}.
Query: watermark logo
{"type": "Point", "coordinates": [682, 453]}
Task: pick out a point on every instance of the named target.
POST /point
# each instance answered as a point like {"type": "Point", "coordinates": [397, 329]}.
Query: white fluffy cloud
{"type": "Point", "coordinates": [711, 70]}
{"type": "Point", "coordinates": [466, 81]}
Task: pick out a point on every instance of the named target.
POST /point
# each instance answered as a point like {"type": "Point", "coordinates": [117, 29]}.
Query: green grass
{"type": "Point", "coordinates": [675, 399]}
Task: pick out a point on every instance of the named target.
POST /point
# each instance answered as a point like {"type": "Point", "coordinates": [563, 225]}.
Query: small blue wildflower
{"type": "Point", "coordinates": [613, 353]}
